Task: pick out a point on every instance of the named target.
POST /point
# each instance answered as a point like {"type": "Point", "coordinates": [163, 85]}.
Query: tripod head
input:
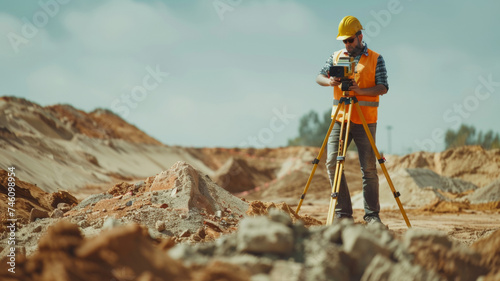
{"type": "Point", "coordinates": [344, 69]}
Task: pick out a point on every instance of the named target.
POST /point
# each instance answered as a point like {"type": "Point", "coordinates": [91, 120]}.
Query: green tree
{"type": "Point", "coordinates": [466, 135]}
{"type": "Point", "coordinates": [313, 129]}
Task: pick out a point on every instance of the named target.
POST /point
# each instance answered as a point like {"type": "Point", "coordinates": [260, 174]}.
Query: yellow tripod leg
{"type": "Point", "coordinates": [382, 165]}
{"type": "Point", "coordinates": [316, 161]}
{"type": "Point", "coordinates": [339, 168]}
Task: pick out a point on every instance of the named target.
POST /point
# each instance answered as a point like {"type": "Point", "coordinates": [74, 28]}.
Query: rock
{"type": "Point", "coordinates": [160, 225]}
{"type": "Point", "coordinates": [199, 235]}
{"type": "Point", "coordinates": [212, 234]}
{"type": "Point", "coordinates": [57, 213]}
{"type": "Point", "coordinates": [431, 236]}
{"type": "Point", "coordinates": [260, 277]}
{"type": "Point", "coordinates": [333, 234]}
{"type": "Point", "coordinates": [185, 233]}
{"type": "Point", "coordinates": [255, 265]}
{"type": "Point", "coordinates": [37, 229]}
{"type": "Point", "coordinates": [61, 197]}
{"type": "Point", "coordinates": [165, 180]}
{"type": "Point", "coordinates": [287, 270]}
{"type": "Point", "coordinates": [260, 235]}
{"type": "Point", "coordinates": [64, 207]}
{"type": "Point", "coordinates": [83, 223]}
{"type": "Point", "coordinates": [139, 184]}
{"type": "Point", "coordinates": [280, 217]}
{"type": "Point", "coordinates": [434, 251]}
{"type": "Point", "coordinates": [38, 214]}
{"type": "Point", "coordinates": [66, 255]}
{"type": "Point", "coordinates": [327, 262]}
{"type": "Point", "coordinates": [383, 269]}
{"type": "Point", "coordinates": [361, 246]}
{"type": "Point", "coordinates": [213, 225]}
{"type": "Point", "coordinates": [129, 203]}
{"type": "Point", "coordinates": [110, 223]}
{"type": "Point", "coordinates": [167, 243]}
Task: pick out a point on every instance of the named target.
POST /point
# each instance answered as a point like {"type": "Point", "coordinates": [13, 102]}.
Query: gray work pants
{"type": "Point", "coordinates": [367, 161]}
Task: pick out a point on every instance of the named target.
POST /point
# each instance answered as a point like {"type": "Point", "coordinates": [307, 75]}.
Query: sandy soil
{"type": "Point", "coordinates": [111, 165]}
{"type": "Point", "coordinates": [466, 227]}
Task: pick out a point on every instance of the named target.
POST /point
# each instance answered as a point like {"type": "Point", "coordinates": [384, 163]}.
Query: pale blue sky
{"type": "Point", "coordinates": [238, 72]}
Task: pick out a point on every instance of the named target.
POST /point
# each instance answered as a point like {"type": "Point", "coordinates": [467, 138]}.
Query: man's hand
{"type": "Point", "coordinates": [355, 88]}
{"type": "Point", "coordinates": [334, 81]}
{"type": "Point", "coordinates": [372, 91]}
{"type": "Point", "coordinates": [327, 81]}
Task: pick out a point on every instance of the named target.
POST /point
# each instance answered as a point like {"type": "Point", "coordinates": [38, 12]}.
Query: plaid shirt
{"type": "Point", "coordinates": [380, 70]}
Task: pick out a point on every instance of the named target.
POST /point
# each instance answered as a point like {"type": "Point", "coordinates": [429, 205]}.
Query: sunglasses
{"type": "Point", "coordinates": [349, 40]}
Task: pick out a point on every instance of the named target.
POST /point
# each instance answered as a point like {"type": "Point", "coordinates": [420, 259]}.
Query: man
{"type": "Point", "coordinates": [370, 81]}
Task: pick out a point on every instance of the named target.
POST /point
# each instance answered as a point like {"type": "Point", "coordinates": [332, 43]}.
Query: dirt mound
{"type": "Point", "coordinates": [485, 198]}
{"type": "Point", "coordinates": [293, 173]}
{"type": "Point", "coordinates": [469, 163]}
{"type": "Point", "coordinates": [180, 203]}
{"type": "Point", "coordinates": [258, 208]}
{"type": "Point", "coordinates": [65, 255]}
{"type": "Point", "coordinates": [420, 159]}
{"type": "Point", "coordinates": [215, 158]}
{"type": "Point", "coordinates": [236, 175]}
{"type": "Point", "coordinates": [418, 187]}
{"type": "Point", "coordinates": [425, 178]}
{"type": "Point", "coordinates": [441, 206]}
{"type": "Point", "coordinates": [61, 147]}
{"type": "Point", "coordinates": [100, 124]}
{"type": "Point", "coordinates": [64, 121]}
{"type": "Point", "coordinates": [489, 193]}
{"type": "Point", "coordinates": [292, 186]}
{"type": "Point", "coordinates": [196, 189]}
{"type": "Point", "coordinates": [27, 197]}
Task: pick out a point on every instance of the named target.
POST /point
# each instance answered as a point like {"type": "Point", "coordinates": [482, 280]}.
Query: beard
{"type": "Point", "coordinates": [356, 50]}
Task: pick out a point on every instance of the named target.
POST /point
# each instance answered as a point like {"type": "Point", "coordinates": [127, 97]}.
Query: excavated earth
{"type": "Point", "coordinates": [98, 199]}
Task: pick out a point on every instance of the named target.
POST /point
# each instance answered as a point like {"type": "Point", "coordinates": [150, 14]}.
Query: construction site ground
{"type": "Point", "coordinates": [98, 199]}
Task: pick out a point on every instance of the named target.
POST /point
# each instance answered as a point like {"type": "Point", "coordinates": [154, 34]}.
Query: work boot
{"type": "Point", "coordinates": [372, 219]}
{"type": "Point", "coordinates": [341, 217]}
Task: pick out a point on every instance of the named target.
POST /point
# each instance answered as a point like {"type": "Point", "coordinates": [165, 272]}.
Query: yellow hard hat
{"type": "Point", "coordinates": [348, 27]}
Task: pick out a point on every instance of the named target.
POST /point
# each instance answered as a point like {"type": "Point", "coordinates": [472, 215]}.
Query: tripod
{"type": "Point", "coordinates": [348, 102]}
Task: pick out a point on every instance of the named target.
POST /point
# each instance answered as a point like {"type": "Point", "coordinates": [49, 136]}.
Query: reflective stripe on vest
{"type": "Point", "coordinates": [361, 103]}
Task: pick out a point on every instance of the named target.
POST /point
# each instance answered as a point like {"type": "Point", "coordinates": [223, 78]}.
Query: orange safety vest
{"type": "Point", "coordinates": [365, 77]}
